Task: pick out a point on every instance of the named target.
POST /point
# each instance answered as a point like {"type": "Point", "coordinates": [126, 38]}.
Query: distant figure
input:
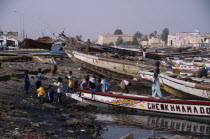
{"type": "Point", "coordinates": [202, 72]}
{"type": "Point", "coordinates": [98, 85]}
{"type": "Point", "coordinates": [124, 85]}
{"type": "Point", "coordinates": [84, 84]}
{"type": "Point", "coordinates": [92, 79]}
{"type": "Point", "coordinates": [53, 69]}
{"type": "Point", "coordinates": [144, 52]}
{"type": "Point", "coordinates": [59, 89]}
{"type": "Point", "coordinates": [88, 46]}
{"type": "Point", "coordinates": [26, 82]}
{"type": "Point", "coordinates": [39, 78]}
{"type": "Point", "coordinates": [41, 93]}
{"type": "Point", "coordinates": [51, 93]}
{"type": "Point", "coordinates": [104, 85]}
{"type": "Point", "coordinates": [70, 81]}
{"type": "Point", "coordinates": [156, 86]}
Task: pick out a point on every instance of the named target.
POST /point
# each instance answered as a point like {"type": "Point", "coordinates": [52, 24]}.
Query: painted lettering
{"type": "Point", "coordinates": [195, 110]}
{"type": "Point", "coordinates": [157, 106]}
{"type": "Point", "coordinates": [166, 107]}
{"type": "Point", "coordinates": [149, 106]}
{"type": "Point", "coordinates": [153, 106]}
{"type": "Point", "coordinates": [161, 106]}
{"type": "Point", "coordinates": [183, 109]}
{"type": "Point", "coordinates": [177, 108]}
{"type": "Point", "coordinates": [172, 108]}
{"type": "Point", "coordinates": [202, 110]}
{"type": "Point", "coordinates": [189, 109]}
{"type": "Point", "coordinates": [208, 110]}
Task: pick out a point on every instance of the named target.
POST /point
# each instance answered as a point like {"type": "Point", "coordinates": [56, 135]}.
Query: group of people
{"type": "Point", "coordinates": [89, 83]}
{"type": "Point", "coordinates": [95, 85]}
{"type": "Point", "coordinates": [41, 90]}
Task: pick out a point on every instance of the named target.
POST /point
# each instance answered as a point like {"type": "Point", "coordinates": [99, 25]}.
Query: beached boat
{"type": "Point", "coordinates": [137, 102]}
{"type": "Point", "coordinates": [197, 89]}
{"type": "Point", "coordinates": [174, 53]}
{"type": "Point", "coordinates": [119, 66]}
{"type": "Point", "coordinates": [41, 43]}
{"type": "Point", "coordinates": [190, 64]}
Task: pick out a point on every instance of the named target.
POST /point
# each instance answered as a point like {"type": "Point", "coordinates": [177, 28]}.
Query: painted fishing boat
{"type": "Point", "coordinates": [144, 103]}
{"type": "Point", "coordinates": [186, 65]}
{"type": "Point", "coordinates": [174, 53]}
{"type": "Point", "coordinates": [197, 89]}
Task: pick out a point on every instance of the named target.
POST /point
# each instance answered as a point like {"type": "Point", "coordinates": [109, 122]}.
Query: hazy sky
{"type": "Point", "coordinates": [93, 17]}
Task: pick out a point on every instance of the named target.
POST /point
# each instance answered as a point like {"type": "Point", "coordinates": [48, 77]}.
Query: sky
{"type": "Point", "coordinates": [93, 17]}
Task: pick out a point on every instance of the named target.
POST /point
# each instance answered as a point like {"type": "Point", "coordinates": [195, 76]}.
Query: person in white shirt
{"type": "Point", "coordinates": [59, 89]}
{"type": "Point", "coordinates": [124, 86]}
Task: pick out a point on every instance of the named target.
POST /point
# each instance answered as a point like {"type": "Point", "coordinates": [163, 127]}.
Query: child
{"type": "Point", "coordinates": [60, 89]}
{"type": "Point", "coordinates": [26, 82]}
{"type": "Point", "coordinates": [41, 93]}
{"type": "Point", "coordinates": [70, 81]}
{"type": "Point", "coordinates": [51, 93]}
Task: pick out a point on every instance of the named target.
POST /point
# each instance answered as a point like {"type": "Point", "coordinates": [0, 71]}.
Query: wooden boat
{"type": "Point", "coordinates": [181, 88]}
{"type": "Point", "coordinates": [185, 65]}
{"type": "Point", "coordinates": [171, 54]}
{"type": "Point", "coordinates": [41, 43]}
{"type": "Point", "coordinates": [137, 102]}
{"type": "Point", "coordinates": [119, 66]}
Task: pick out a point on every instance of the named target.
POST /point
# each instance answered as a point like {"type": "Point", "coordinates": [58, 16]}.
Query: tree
{"type": "Point", "coordinates": [151, 35]}
{"type": "Point", "coordinates": [119, 41]}
{"type": "Point", "coordinates": [138, 35]}
{"type": "Point", "coordinates": [164, 35]}
{"type": "Point", "coordinates": [118, 32]}
{"type": "Point", "coordinates": [79, 37]}
{"type": "Point", "coordinates": [155, 32]}
{"type": "Point", "coordinates": [135, 42]}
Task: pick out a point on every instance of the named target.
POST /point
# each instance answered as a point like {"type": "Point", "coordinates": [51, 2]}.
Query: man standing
{"type": "Point", "coordinates": [156, 86]}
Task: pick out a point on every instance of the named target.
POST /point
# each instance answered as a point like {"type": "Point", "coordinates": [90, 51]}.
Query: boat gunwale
{"type": "Point", "coordinates": [173, 101]}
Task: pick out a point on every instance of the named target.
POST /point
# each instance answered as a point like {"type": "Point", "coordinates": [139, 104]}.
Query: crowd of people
{"type": "Point", "coordinates": [57, 88]}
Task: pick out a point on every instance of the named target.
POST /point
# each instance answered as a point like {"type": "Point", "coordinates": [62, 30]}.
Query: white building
{"type": "Point", "coordinates": [9, 39]}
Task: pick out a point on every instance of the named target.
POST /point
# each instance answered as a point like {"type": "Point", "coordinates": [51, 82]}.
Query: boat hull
{"type": "Point", "coordinates": [182, 107]}
{"type": "Point", "coordinates": [118, 66]}
{"type": "Point", "coordinates": [178, 87]}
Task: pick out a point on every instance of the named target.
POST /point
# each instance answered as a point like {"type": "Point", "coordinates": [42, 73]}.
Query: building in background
{"type": "Point", "coordinates": [9, 39]}
{"type": "Point", "coordinates": [106, 39]}
{"type": "Point", "coordinates": [155, 41]}
{"type": "Point", "coordinates": [171, 40]}
{"type": "Point", "coordinates": [185, 39]}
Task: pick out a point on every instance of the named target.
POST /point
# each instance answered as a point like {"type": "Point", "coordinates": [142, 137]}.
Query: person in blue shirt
{"type": "Point", "coordinates": [39, 78]}
{"type": "Point", "coordinates": [51, 93]}
{"type": "Point", "coordinates": [26, 82]}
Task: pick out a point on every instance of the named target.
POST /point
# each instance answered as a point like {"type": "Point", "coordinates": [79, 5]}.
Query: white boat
{"type": "Point", "coordinates": [144, 103]}
{"type": "Point", "coordinates": [181, 88]}
{"type": "Point", "coordinates": [119, 66]}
